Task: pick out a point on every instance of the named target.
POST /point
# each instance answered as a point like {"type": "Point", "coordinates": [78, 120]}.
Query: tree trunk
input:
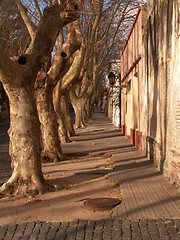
{"type": "Point", "coordinates": [90, 104]}
{"type": "Point", "coordinates": [78, 105]}
{"type": "Point", "coordinates": [53, 79]}
{"type": "Point", "coordinates": [79, 119]}
{"type": "Point", "coordinates": [88, 110]}
{"type": "Point", "coordinates": [62, 131]}
{"type": "Point", "coordinates": [66, 113]}
{"type": "Point", "coordinates": [51, 145]}
{"type": "Point", "coordinates": [25, 149]}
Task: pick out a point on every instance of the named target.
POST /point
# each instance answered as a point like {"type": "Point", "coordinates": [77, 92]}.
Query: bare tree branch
{"type": "Point", "coordinates": [71, 76]}
{"type": "Point", "coordinates": [110, 22]}
{"type": "Point", "coordinates": [72, 44]}
{"type": "Point", "coordinates": [114, 35]}
{"type": "Point", "coordinates": [51, 23]}
{"type": "Point", "coordinates": [30, 26]}
{"type": "Point", "coordinates": [38, 8]}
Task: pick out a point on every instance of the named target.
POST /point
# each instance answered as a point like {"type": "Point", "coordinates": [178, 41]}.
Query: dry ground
{"type": "Point", "coordinates": [76, 179]}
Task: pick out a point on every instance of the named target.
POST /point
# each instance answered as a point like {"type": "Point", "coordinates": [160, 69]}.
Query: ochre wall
{"type": "Point", "coordinates": [151, 103]}
{"type": "Point", "coordinates": [161, 87]}
{"type": "Point", "coordinates": [131, 75]}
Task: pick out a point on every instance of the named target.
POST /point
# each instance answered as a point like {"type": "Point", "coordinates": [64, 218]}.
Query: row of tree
{"type": "Point", "coordinates": [51, 53]}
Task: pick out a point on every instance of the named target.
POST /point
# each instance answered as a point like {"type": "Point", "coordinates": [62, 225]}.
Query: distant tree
{"type": "Point", "coordinates": [14, 36]}
{"type": "Point", "coordinates": [105, 26]}
{"type": "Point", "coordinates": [62, 91]}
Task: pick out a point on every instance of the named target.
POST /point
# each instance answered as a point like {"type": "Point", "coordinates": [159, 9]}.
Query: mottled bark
{"type": "Point", "coordinates": [63, 86]}
{"type": "Point", "coordinates": [88, 110]}
{"type": "Point", "coordinates": [92, 93]}
{"type": "Point", "coordinates": [52, 124]}
{"type": "Point", "coordinates": [78, 105]}
{"type": "Point", "coordinates": [66, 112]}
{"type": "Point", "coordinates": [51, 149]}
{"type": "Point", "coordinates": [89, 106]}
{"type": "Point", "coordinates": [62, 131]}
{"type": "Point", "coordinates": [25, 149]}
{"type": "Point", "coordinates": [79, 96]}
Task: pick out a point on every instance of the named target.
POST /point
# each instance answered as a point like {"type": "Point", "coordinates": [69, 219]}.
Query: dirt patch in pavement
{"type": "Point", "coordinates": [76, 180]}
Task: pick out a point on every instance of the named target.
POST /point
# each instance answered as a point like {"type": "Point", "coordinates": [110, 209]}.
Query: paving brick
{"type": "Point", "coordinates": [62, 232]}
{"type": "Point", "coordinates": [28, 231]}
{"type": "Point", "coordinates": [44, 231]}
{"type": "Point", "coordinates": [143, 225]}
{"type": "Point", "coordinates": [71, 234]}
{"type": "Point", "coordinates": [117, 229]}
{"type": "Point", "coordinates": [81, 228]}
{"type": "Point", "coordinates": [126, 229]}
{"type": "Point", "coordinates": [117, 224]}
{"type": "Point", "coordinates": [36, 231]}
{"type": "Point", "coordinates": [11, 231]}
{"type": "Point", "coordinates": [163, 233]}
{"type": "Point", "coordinates": [177, 224]}
{"type": "Point", "coordinates": [89, 230]}
{"type": "Point", "coordinates": [171, 229]}
{"type": "Point", "coordinates": [3, 231]}
{"type": "Point", "coordinates": [152, 227]}
{"type": "Point", "coordinates": [72, 230]}
{"type": "Point", "coordinates": [98, 230]}
{"type": "Point", "coordinates": [107, 230]}
{"type": "Point", "coordinates": [19, 231]}
{"type": "Point", "coordinates": [53, 230]}
{"type": "Point", "coordinates": [136, 233]}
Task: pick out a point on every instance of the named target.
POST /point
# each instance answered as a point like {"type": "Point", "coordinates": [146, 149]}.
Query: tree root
{"type": "Point", "coordinates": [64, 139]}
{"type": "Point", "coordinates": [30, 187]}
{"type": "Point", "coordinates": [52, 157]}
{"type": "Point", "coordinates": [80, 125]}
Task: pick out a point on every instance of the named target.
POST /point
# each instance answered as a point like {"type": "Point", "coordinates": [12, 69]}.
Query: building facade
{"type": "Point", "coordinates": [150, 63]}
{"type": "Point", "coordinates": [131, 77]}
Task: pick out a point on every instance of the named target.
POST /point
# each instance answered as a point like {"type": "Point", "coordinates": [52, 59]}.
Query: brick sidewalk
{"type": "Point", "coordinates": [150, 208]}
{"type": "Point", "coordinates": [146, 193]}
{"type": "Point", "coordinates": [110, 229]}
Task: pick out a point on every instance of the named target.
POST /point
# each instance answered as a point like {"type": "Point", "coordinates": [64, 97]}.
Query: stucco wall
{"type": "Point", "coordinates": [161, 87]}
{"type": "Point", "coordinates": [172, 163]}
{"type": "Point", "coordinates": [131, 77]}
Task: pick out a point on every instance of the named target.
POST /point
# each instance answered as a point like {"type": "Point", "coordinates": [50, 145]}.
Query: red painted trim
{"type": "Point", "coordinates": [140, 141]}
{"type": "Point", "coordinates": [131, 68]}
{"type": "Point", "coordinates": [137, 139]}
{"type": "Point", "coordinates": [126, 131]}
{"type": "Point", "coordinates": [139, 10]}
{"type": "Point", "coordinates": [123, 129]}
{"type": "Point", "coordinates": [132, 137]}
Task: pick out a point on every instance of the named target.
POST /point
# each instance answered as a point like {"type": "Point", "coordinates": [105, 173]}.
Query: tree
{"type": "Point", "coordinates": [71, 78]}
{"type": "Point", "coordinates": [91, 25]}
{"type": "Point", "coordinates": [45, 83]}
{"type": "Point", "coordinates": [103, 42]}
{"type": "Point", "coordinates": [47, 79]}
{"type": "Point", "coordinates": [18, 78]}
{"type": "Point", "coordinates": [79, 97]}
